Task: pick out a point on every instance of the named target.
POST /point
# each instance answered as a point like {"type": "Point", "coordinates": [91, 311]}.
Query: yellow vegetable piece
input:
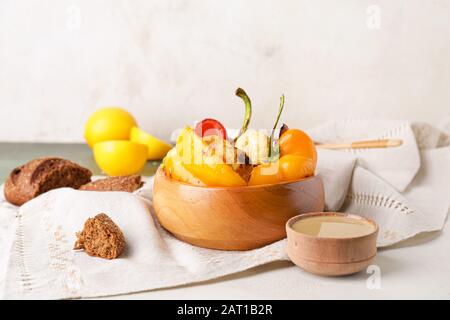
{"type": "Point", "coordinates": [216, 174]}
{"type": "Point", "coordinates": [108, 124]}
{"type": "Point", "coordinates": [190, 147]}
{"type": "Point", "coordinates": [120, 158]}
{"type": "Point", "coordinates": [255, 143]}
{"type": "Point", "coordinates": [157, 149]}
{"type": "Point", "coordinates": [174, 168]}
{"type": "Point", "coordinates": [266, 173]}
{"type": "Point", "coordinates": [296, 167]}
{"type": "Point", "coordinates": [210, 169]}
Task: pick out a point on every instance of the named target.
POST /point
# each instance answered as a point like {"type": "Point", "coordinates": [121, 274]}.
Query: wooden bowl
{"type": "Point", "coordinates": [233, 218]}
{"type": "Point", "coordinates": [331, 256]}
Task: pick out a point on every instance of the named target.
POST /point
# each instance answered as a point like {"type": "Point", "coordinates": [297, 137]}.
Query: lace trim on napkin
{"type": "Point", "coordinates": [380, 201]}
{"type": "Point", "coordinates": [66, 276]}
{"type": "Point", "coordinates": [19, 248]}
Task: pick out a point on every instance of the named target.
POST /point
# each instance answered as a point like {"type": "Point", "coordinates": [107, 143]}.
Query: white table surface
{"type": "Point", "coordinates": [418, 268]}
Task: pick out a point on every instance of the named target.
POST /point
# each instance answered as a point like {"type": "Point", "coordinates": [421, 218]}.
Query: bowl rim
{"type": "Point", "coordinates": [161, 172]}
{"type": "Point", "coordinates": [292, 220]}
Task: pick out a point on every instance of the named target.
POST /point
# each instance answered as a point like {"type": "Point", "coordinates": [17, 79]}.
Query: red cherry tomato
{"type": "Point", "coordinates": [209, 127]}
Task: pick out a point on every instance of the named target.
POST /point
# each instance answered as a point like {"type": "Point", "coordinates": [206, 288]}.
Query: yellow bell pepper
{"type": "Point", "coordinates": [175, 169]}
{"type": "Point", "coordinates": [189, 146]}
{"type": "Point", "coordinates": [209, 169]}
{"type": "Point", "coordinates": [215, 174]}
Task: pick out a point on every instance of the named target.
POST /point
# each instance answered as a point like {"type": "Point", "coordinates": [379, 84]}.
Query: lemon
{"type": "Point", "coordinates": [157, 149]}
{"type": "Point", "coordinates": [108, 124]}
{"type": "Point", "coordinates": [120, 157]}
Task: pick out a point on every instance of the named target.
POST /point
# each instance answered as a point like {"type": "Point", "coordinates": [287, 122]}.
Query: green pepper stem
{"type": "Point", "coordinates": [280, 110]}
{"type": "Point", "coordinates": [248, 111]}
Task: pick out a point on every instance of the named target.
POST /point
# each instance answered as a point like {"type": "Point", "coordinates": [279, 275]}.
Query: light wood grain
{"type": "Point", "coordinates": [234, 218]}
{"type": "Point", "coordinates": [331, 256]}
{"type": "Point", "coordinates": [369, 144]}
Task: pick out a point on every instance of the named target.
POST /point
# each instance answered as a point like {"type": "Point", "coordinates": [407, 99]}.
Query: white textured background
{"type": "Point", "coordinates": [173, 62]}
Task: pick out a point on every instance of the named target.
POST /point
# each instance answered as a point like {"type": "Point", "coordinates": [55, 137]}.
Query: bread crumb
{"type": "Point", "coordinates": [101, 237]}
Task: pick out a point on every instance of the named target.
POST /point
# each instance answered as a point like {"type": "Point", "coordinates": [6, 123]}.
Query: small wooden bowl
{"type": "Point", "coordinates": [233, 218]}
{"type": "Point", "coordinates": [331, 256]}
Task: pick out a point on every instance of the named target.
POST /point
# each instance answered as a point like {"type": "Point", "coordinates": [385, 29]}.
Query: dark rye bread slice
{"type": "Point", "coordinates": [41, 175]}
{"type": "Point", "coordinates": [124, 183]}
{"type": "Point", "coordinates": [101, 237]}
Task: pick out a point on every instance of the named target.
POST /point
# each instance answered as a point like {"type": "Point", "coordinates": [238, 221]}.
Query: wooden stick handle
{"type": "Point", "coordinates": [386, 143]}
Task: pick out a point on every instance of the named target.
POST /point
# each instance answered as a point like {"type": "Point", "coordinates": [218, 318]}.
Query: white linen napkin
{"type": "Point", "coordinates": [384, 164]}
{"type": "Point", "coordinates": [36, 240]}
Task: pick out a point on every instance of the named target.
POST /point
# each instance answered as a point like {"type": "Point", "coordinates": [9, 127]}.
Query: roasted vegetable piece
{"type": "Point", "coordinates": [205, 162]}
{"type": "Point", "coordinates": [255, 143]}
{"type": "Point", "coordinates": [215, 174]}
{"type": "Point", "coordinates": [283, 129]}
{"type": "Point", "coordinates": [260, 147]}
{"type": "Point", "coordinates": [266, 173]}
{"type": "Point", "coordinates": [205, 156]}
{"type": "Point", "coordinates": [235, 157]}
{"type": "Point", "coordinates": [174, 169]}
{"type": "Point", "coordinates": [209, 127]}
{"type": "Point", "coordinates": [295, 141]}
{"type": "Point", "coordinates": [295, 167]}
{"type": "Point", "coordinates": [189, 146]}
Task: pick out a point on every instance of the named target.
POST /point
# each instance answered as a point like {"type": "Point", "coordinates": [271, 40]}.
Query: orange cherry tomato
{"type": "Point", "coordinates": [266, 173]}
{"type": "Point", "coordinates": [295, 141]}
{"type": "Point", "coordinates": [295, 167]}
